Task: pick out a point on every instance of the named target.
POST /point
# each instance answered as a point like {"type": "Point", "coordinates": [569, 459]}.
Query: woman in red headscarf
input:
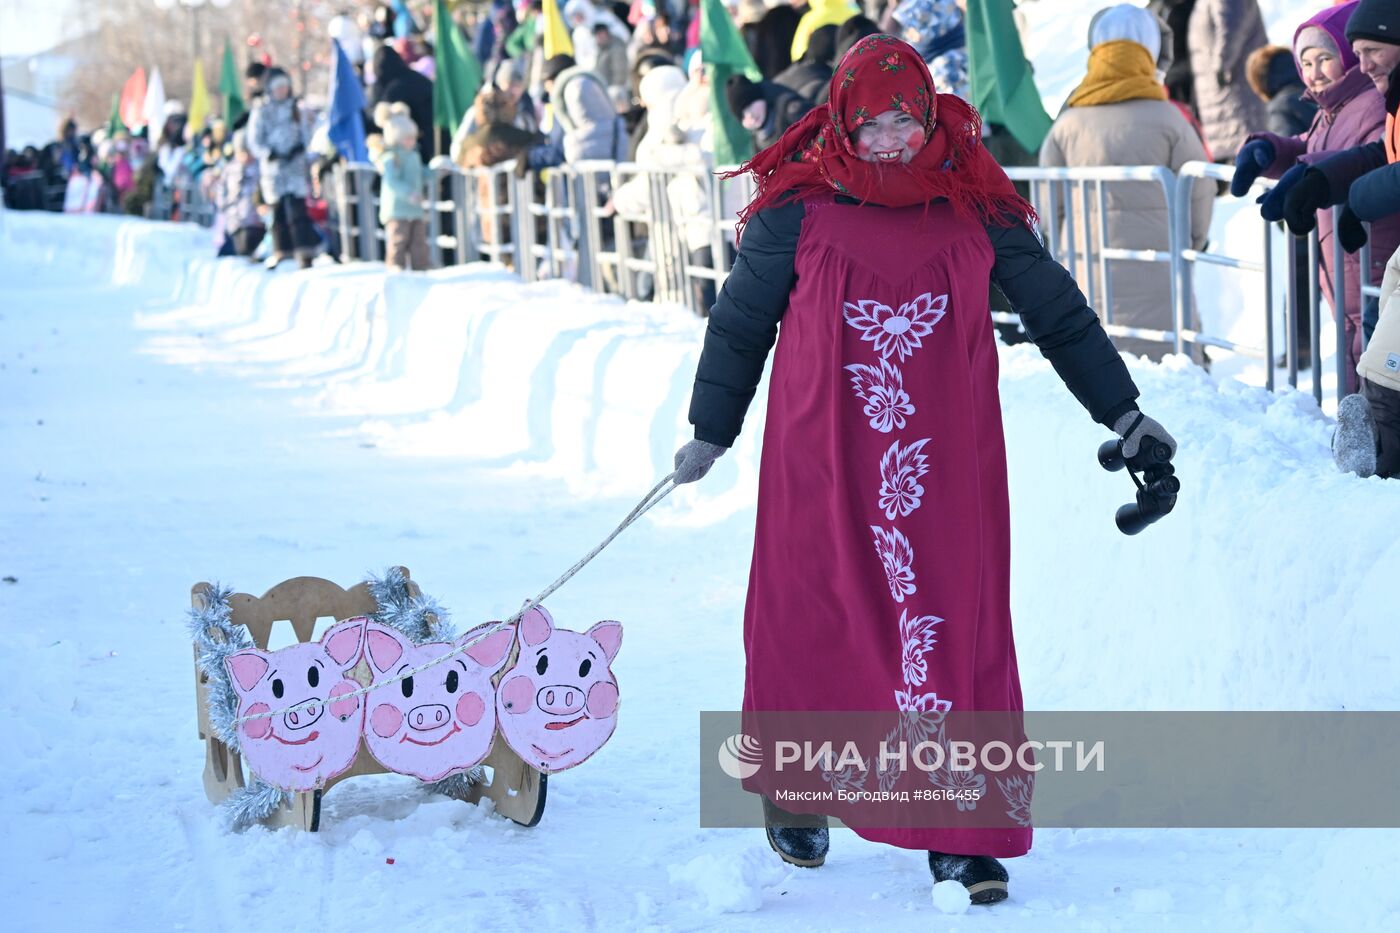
{"type": "Point", "coordinates": [880, 575]}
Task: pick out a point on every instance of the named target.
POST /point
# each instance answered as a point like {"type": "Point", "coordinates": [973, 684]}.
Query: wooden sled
{"type": "Point", "coordinates": [517, 789]}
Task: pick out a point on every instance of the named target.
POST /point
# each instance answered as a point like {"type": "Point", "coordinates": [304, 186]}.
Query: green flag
{"type": "Point", "coordinates": [723, 51]}
{"type": "Point", "coordinates": [1003, 88]}
{"type": "Point", "coordinates": [230, 89]}
{"type": "Point", "coordinates": [458, 71]}
{"type": "Point", "coordinates": [114, 122]}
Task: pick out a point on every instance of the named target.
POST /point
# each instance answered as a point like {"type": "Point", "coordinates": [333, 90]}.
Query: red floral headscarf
{"type": "Point", "coordinates": [817, 156]}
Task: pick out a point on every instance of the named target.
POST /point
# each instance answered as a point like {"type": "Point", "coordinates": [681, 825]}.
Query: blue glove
{"type": "Point", "coordinates": [1271, 201]}
{"type": "Point", "coordinates": [1254, 156]}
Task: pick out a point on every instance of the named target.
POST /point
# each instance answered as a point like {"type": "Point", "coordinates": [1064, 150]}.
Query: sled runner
{"type": "Point", "coordinates": [516, 789]}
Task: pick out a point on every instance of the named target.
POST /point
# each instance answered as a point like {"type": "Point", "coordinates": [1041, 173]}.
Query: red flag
{"type": "Point", "coordinates": [134, 99]}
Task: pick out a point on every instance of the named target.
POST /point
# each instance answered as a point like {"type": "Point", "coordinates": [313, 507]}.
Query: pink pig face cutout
{"type": "Point", "coordinates": [301, 750]}
{"type": "Point", "coordinates": [558, 703]}
{"type": "Point", "coordinates": [440, 721]}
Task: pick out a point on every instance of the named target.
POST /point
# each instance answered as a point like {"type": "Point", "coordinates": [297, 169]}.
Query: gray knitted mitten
{"type": "Point", "coordinates": [694, 460]}
{"type": "Point", "coordinates": [1134, 426]}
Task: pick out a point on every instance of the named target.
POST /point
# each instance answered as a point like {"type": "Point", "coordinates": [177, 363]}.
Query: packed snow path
{"type": "Point", "coordinates": [169, 419]}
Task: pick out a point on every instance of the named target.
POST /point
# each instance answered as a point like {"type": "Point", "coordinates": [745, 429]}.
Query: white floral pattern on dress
{"type": "Point", "coordinates": [881, 387]}
{"type": "Point", "coordinates": [900, 471]}
{"type": "Point", "coordinates": [969, 785]}
{"type": "Point", "coordinates": [897, 556]}
{"type": "Point", "coordinates": [1018, 790]}
{"type": "Point", "coordinates": [918, 637]}
{"type": "Point", "coordinates": [896, 332]}
{"type": "Point", "coordinates": [910, 702]}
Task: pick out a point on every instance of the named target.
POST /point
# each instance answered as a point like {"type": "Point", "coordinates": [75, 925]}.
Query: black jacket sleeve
{"type": "Point", "coordinates": [1059, 320]}
{"type": "Point", "coordinates": [1376, 195]}
{"type": "Point", "coordinates": [744, 324]}
{"type": "Point", "coordinates": [1346, 165]}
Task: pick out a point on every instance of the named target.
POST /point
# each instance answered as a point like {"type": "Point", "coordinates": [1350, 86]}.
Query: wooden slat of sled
{"type": "Point", "coordinates": [516, 789]}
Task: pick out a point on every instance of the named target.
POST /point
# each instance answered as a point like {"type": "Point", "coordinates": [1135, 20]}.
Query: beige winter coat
{"type": "Point", "coordinates": [1133, 132]}
{"type": "Point", "coordinates": [1381, 361]}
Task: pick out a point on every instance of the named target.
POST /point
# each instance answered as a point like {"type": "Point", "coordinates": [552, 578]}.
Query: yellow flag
{"type": "Point", "coordinates": [199, 100]}
{"type": "Point", "coordinates": [556, 34]}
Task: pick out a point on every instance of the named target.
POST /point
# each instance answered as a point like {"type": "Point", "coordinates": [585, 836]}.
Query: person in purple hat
{"type": "Point", "coordinates": [1351, 112]}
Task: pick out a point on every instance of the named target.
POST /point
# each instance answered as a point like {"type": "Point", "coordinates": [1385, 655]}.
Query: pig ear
{"type": "Point", "coordinates": [384, 647]}
{"type": "Point", "coordinates": [536, 626]}
{"type": "Point", "coordinates": [246, 668]}
{"type": "Point", "coordinates": [342, 641]}
{"type": "Point", "coordinates": [491, 651]}
{"type": "Point", "coordinates": [609, 635]}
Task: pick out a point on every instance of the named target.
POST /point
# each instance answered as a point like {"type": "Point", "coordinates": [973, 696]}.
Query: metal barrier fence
{"type": "Point", "coordinates": [1076, 229]}
{"type": "Point", "coordinates": [621, 228]}
{"type": "Point", "coordinates": [1294, 304]}
{"type": "Point", "coordinates": [185, 200]}
{"type": "Point", "coordinates": [1071, 203]}
{"type": "Point", "coordinates": [666, 234]}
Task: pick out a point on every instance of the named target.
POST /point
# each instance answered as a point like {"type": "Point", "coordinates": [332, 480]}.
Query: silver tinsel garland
{"type": "Point", "coordinates": [251, 804]}
{"type": "Point", "coordinates": [455, 785]}
{"type": "Point", "coordinates": [216, 638]}
{"type": "Point", "coordinates": [419, 618]}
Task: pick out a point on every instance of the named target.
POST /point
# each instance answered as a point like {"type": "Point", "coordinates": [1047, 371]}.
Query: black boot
{"type": "Point", "coordinates": [982, 875]}
{"type": "Point", "coordinates": [799, 839]}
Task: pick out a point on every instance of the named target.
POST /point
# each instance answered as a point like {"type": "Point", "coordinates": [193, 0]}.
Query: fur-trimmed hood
{"type": "Point", "coordinates": [1271, 69]}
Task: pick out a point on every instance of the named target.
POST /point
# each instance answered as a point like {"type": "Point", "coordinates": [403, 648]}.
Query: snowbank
{"type": "Point", "coordinates": [1267, 588]}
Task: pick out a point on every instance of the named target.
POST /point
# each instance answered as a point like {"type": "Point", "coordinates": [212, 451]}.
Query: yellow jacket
{"type": "Point", "coordinates": [820, 13]}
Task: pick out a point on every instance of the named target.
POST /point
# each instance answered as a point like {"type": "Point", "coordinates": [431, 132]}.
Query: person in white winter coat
{"type": "Point", "coordinates": [171, 147]}
{"type": "Point", "coordinates": [235, 194]}
{"type": "Point", "coordinates": [672, 144]}
{"type": "Point", "coordinates": [277, 135]}
{"type": "Point", "coordinates": [584, 121]}
{"type": "Point", "coordinates": [1367, 441]}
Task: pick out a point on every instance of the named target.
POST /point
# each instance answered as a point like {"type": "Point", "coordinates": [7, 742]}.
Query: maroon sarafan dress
{"type": "Point", "coordinates": [880, 576]}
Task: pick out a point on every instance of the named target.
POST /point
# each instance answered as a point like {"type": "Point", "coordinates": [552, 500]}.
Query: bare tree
{"type": "Point", "coordinates": [121, 35]}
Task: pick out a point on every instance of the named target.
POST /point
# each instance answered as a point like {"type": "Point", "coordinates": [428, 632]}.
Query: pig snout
{"type": "Point", "coordinates": [560, 699]}
{"type": "Point", "coordinates": [428, 716]}
{"type": "Point", "coordinates": [306, 716]}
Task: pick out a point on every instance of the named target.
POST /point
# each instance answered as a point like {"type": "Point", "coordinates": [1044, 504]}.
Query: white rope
{"type": "Point", "coordinates": [658, 492]}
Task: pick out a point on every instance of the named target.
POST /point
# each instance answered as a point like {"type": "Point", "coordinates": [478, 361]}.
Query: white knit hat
{"type": "Point", "coordinates": [1129, 22]}
{"type": "Point", "coordinates": [395, 122]}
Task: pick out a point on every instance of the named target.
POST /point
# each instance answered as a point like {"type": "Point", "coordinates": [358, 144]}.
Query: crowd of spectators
{"type": "Point", "coordinates": [1181, 80]}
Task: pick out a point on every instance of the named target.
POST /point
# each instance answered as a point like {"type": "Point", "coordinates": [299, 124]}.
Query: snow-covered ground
{"type": "Point", "coordinates": [170, 418]}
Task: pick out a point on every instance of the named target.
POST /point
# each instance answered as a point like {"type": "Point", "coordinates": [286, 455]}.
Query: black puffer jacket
{"type": "Point", "coordinates": [770, 39]}
{"type": "Point", "coordinates": [396, 83]}
{"type": "Point", "coordinates": [809, 80]}
{"type": "Point", "coordinates": [785, 107]}
{"type": "Point", "coordinates": [1177, 15]}
{"type": "Point", "coordinates": [811, 77]}
{"type": "Point", "coordinates": [744, 323]}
